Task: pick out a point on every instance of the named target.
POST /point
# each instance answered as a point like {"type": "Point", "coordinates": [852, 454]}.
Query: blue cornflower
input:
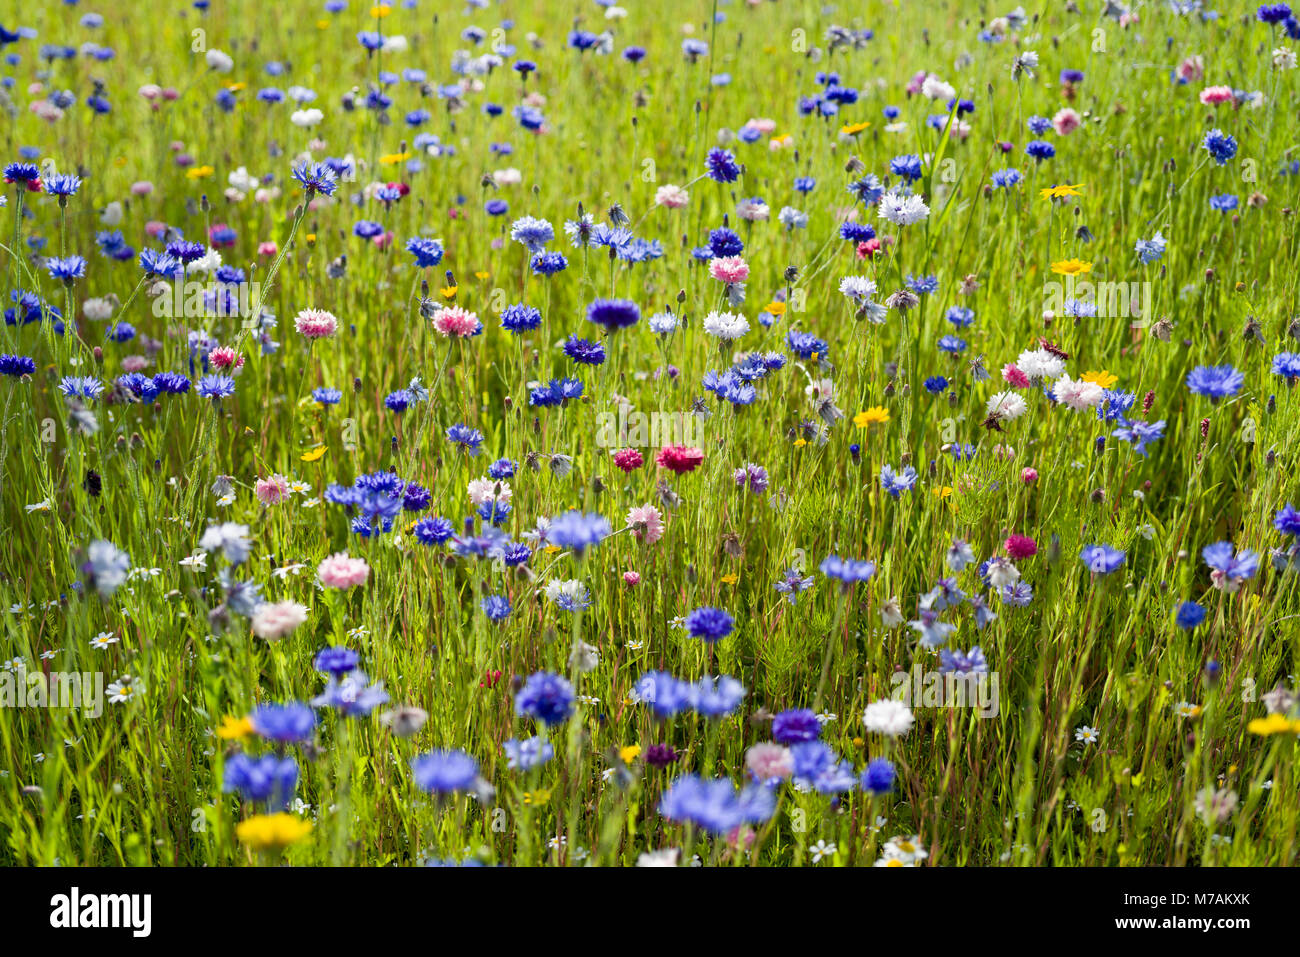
{"type": "Point", "coordinates": [796, 726]}
{"type": "Point", "coordinates": [336, 661]}
{"type": "Point", "coordinates": [666, 695]}
{"type": "Point", "coordinates": [1287, 365]}
{"type": "Point", "coordinates": [897, 482]}
{"type": "Point", "coordinates": [288, 723]}
{"type": "Point", "coordinates": [518, 317]}
{"type": "Point", "coordinates": [316, 178]}
{"type": "Point", "coordinates": [1215, 382]}
{"type": "Point", "coordinates": [527, 754]}
{"type": "Point", "coordinates": [545, 697]}
{"type": "Point", "coordinates": [351, 694]}
{"type": "Point", "coordinates": [548, 264]}
{"type": "Point", "coordinates": [724, 241]}
{"type": "Point", "coordinates": [1273, 13]}
{"type": "Point", "coordinates": [952, 344]}
{"type": "Point", "coordinates": [427, 252]}
{"type": "Point", "coordinates": [441, 771]}
{"type": "Point", "coordinates": [82, 386]}
{"type": "Point", "coordinates": [579, 531]}
{"type": "Point", "coordinates": [433, 530]}
{"type": "Point", "coordinates": [464, 435]}
{"type": "Point", "coordinates": [326, 396]}
{"type": "Point", "coordinates": [532, 232]}
{"type": "Point", "coordinates": [1150, 250]}
{"type": "Point", "coordinates": [933, 631]}
{"type": "Point", "coordinates": [709, 624]}
{"type": "Point", "coordinates": [1040, 150]}
{"type": "Point", "coordinates": [1287, 520]}
{"type": "Point", "coordinates": [1225, 203]}
{"type": "Point", "coordinates": [1189, 615]}
{"type": "Point", "coordinates": [1006, 178]}
{"type": "Point", "coordinates": [878, 777]}
{"type": "Point", "coordinates": [714, 805]}
{"type": "Point", "coordinates": [496, 607]}
{"type": "Point", "coordinates": [908, 167]}
{"type": "Point", "coordinates": [792, 583]}
{"type": "Point", "coordinates": [970, 662]}
{"type": "Point", "coordinates": [818, 767]}
{"type": "Point", "coordinates": [855, 232]}
{"type": "Point", "coordinates": [1219, 145]}
{"type": "Point", "coordinates": [22, 173]}
{"type": "Point", "coordinates": [584, 351]}
{"type": "Point", "coordinates": [847, 570]}
{"type": "Point", "coordinates": [66, 269]}
{"type": "Point", "coordinates": [1101, 559]}
{"type": "Point", "coordinates": [271, 779]}
{"type": "Point", "coordinates": [62, 184]}
{"type": "Point", "coordinates": [216, 386]}
{"type": "Point", "coordinates": [716, 697]}
{"type": "Point", "coordinates": [613, 313]}
{"type": "Point", "coordinates": [1140, 433]}
{"type": "Point", "coordinates": [1233, 568]}
{"type": "Point", "coordinates": [721, 165]}
{"type": "Point", "coordinates": [399, 400]}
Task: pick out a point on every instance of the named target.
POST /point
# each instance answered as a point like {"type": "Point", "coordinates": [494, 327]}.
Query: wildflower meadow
{"type": "Point", "coordinates": [675, 433]}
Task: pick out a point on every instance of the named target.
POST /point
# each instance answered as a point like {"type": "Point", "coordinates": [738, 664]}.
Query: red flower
{"type": "Point", "coordinates": [628, 459]}
{"type": "Point", "coordinates": [1021, 546]}
{"type": "Point", "coordinates": [868, 249]}
{"type": "Point", "coordinates": [679, 458]}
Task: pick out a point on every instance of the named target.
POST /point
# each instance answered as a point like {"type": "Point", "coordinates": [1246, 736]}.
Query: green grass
{"type": "Point", "coordinates": [141, 784]}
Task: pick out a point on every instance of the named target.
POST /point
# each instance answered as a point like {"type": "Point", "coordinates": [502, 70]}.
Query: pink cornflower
{"type": "Point", "coordinates": [316, 324]}
{"type": "Point", "coordinates": [1066, 121]}
{"type": "Point", "coordinates": [767, 761]}
{"type": "Point", "coordinates": [1014, 377]}
{"type": "Point", "coordinates": [647, 524]}
{"type": "Point", "coordinates": [679, 458]}
{"type": "Point", "coordinates": [629, 460]}
{"type": "Point", "coordinates": [632, 578]}
{"type": "Point", "coordinates": [224, 357]}
{"type": "Point", "coordinates": [1191, 69]}
{"type": "Point", "coordinates": [453, 321]}
{"type": "Point", "coordinates": [340, 571]}
{"type": "Point", "coordinates": [729, 269]}
{"type": "Point", "coordinates": [1020, 546]}
{"type": "Point", "coordinates": [1214, 95]}
{"type": "Point", "coordinates": [142, 188]}
{"type": "Point", "coordinates": [135, 364]}
{"type": "Point", "coordinates": [673, 197]}
{"type": "Point", "coordinates": [869, 249]}
{"type": "Point", "coordinates": [273, 490]}
{"type": "Point", "coordinates": [274, 620]}
{"type": "Point", "coordinates": [267, 249]}
{"type": "Point", "coordinates": [1028, 476]}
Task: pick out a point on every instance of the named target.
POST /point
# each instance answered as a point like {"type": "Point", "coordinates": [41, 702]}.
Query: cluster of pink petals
{"type": "Point", "coordinates": [769, 762]}
{"type": "Point", "coordinates": [224, 357]}
{"type": "Point", "coordinates": [340, 571]}
{"type": "Point", "coordinates": [456, 322]}
{"type": "Point", "coordinates": [672, 197]}
{"type": "Point", "coordinates": [646, 522]}
{"type": "Point", "coordinates": [273, 490]}
{"type": "Point", "coordinates": [629, 460]}
{"type": "Point", "coordinates": [1066, 121]}
{"type": "Point", "coordinates": [729, 269]}
{"type": "Point", "coordinates": [1020, 546]}
{"type": "Point", "coordinates": [680, 458]}
{"type": "Point", "coordinates": [1014, 377]}
{"type": "Point", "coordinates": [632, 578]}
{"type": "Point", "coordinates": [274, 620]}
{"type": "Point", "coordinates": [316, 324]}
{"type": "Point", "coordinates": [1214, 95]}
{"type": "Point", "coordinates": [1028, 476]}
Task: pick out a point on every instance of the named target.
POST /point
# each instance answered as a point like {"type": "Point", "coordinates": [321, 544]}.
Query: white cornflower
{"type": "Point", "coordinates": [1078, 395]}
{"type": "Point", "coordinates": [1040, 364]}
{"type": "Point", "coordinates": [726, 325]}
{"type": "Point", "coordinates": [1006, 405]}
{"type": "Point", "coordinates": [902, 210]}
{"type": "Point", "coordinates": [889, 717]}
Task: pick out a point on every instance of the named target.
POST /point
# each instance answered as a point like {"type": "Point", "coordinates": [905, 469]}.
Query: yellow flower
{"type": "Point", "coordinates": [876, 415]}
{"type": "Point", "coordinates": [1102, 378]}
{"type": "Point", "coordinates": [235, 87]}
{"type": "Point", "coordinates": [800, 443]}
{"type": "Point", "coordinates": [449, 292]}
{"type": "Point", "coordinates": [392, 159]}
{"type": "Point", "coordinates": [1273, 724]}
{"type": "Point", "coordinates": [233, 728]}
{"type": "Point", "coordinates": [630, 753]}
{"type": "Point", "coordinates": [311, 239]}
{"type": "Point", "coordinates": [120, 162]}
{"type": "Point", "coordinates": [551, 549]}
{"type": "Point", "coordinates": [380, 10]}
{"type": "Point", "coordinates": [853, 129]}
{"type": "Point", "coordinates": [540, 796]}
{"type": "Point", "coordinates": [200, 172]}
{"type": "Point", "coordinates": [775, 308]}
{"type": "Point", "coordinates": [322, 24]}
{"type": "Point", "coordinates": [1071, 267]}
{"type": "Point", "coordinates": [943, 491]}
{"type": "Point", "coordinates": [730, 578]}
{"type": "Point", "coordinates": [1060, 192]}
{"type": "Point", "coordinates": [482, 274]}
{"type": "Point", "coordinates": [272, 831]}
{"type": "Point", "coordinates": [314, 455]}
